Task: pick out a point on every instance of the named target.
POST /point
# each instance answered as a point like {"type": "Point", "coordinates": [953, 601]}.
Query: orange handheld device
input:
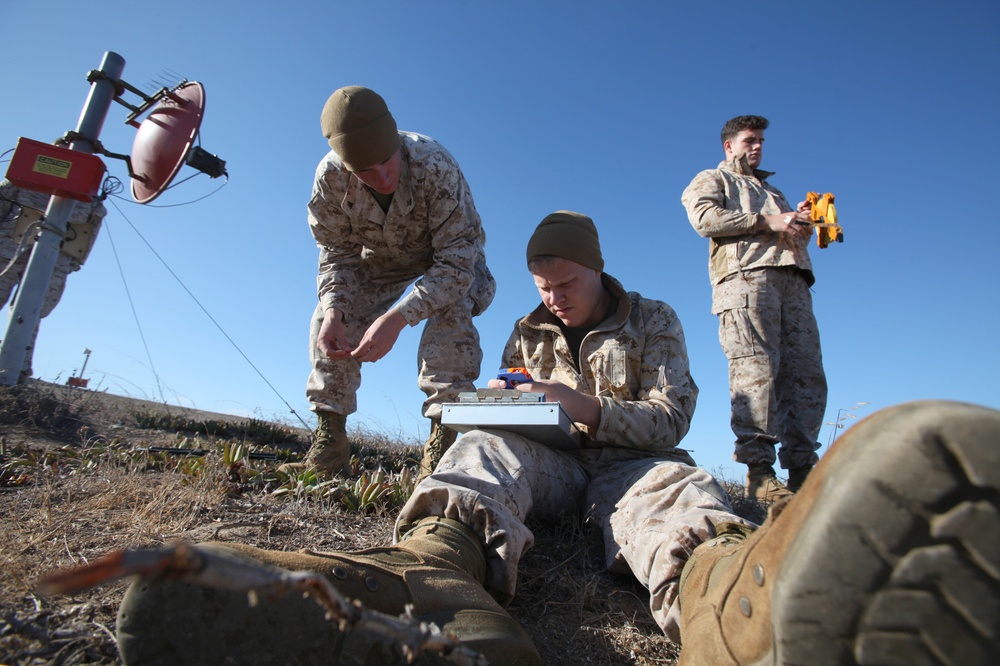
{"type": "Point", "coordinates": [514, 376]}
{"type": "Point", "coordinates": [824, 219]}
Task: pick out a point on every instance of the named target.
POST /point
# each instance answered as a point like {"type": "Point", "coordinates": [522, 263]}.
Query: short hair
{"type": "Point", "coordinates": [541, 262]}
{"type": "Point", "coordinates": [736, 125]}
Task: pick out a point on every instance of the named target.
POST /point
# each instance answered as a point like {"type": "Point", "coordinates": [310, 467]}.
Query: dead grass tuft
{"type": "Point", "coordinates": [28, 408]}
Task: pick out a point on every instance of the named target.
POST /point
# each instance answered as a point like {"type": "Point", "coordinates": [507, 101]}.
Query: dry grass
{"type": "Point", "coordinates": [89, 487]}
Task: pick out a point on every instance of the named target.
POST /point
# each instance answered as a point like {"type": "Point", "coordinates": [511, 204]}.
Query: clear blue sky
{"type": "Point", "coordinates": [607, 108]}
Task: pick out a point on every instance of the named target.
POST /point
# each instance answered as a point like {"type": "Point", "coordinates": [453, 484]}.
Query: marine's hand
{"type": "Point", "coordinates": [797, 223]}
{"type": "Point", "coordinates": [332, 339]}
{"type": "Point", "coordinates": [580, 407]}
{"type": "Point", "coordinates": [380, 337]}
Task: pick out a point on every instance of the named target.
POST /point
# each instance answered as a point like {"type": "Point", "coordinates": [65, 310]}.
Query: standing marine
{"type": "Point", "coordinates": [761, 274]}
{"type": "Point", "coordinates": [400, 243]}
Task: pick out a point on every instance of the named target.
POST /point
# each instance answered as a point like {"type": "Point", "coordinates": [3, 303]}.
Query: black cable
{"type": "Point", "coordinates": [186, 203]}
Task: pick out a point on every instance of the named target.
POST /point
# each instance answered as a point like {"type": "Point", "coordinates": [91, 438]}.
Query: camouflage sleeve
{"type": "Point", "coordinates": [657, 414]}
{"type": "Point", "coordinates": [8, 246]}
{"type": "Point", "coordinates": [7, 194]}
{"type": "Point", "coordinates": [705, 201]}
{"type": "Point", "coordinates": [513, 356]}
{"type": "Point", "coordinates": [338, 257]}
{"type": "Point", "coordinates": [457, 240]}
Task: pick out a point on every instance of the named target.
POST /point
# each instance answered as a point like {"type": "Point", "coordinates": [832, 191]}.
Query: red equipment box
{"type": "Point", "coordinates": [50, 169]}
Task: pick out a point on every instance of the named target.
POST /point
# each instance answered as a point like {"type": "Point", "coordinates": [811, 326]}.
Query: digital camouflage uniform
{"type": "Point", "coordinates": [630, 479]}
{"type": "Point", "coordinates": [760, 292]}
{"type": "Point", "coordinates": [368, 258]}
{"type": "Point", "coordinates": [14, 254]}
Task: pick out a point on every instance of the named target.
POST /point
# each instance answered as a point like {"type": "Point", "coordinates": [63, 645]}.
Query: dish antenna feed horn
{"type": "Point", "coordinates": [165, 140]}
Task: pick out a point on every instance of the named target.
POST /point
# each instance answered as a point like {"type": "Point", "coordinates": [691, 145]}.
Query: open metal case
{"type": "Point", "coordinates": [526, 414]}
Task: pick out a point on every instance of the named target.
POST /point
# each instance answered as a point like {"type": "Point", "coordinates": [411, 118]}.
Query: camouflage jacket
{"type": "Point", "coordinates": [723, 204]}
{"type": "Point", "coordinates": [431, 231]}
{"type": "Point", "coordinates": [635, 362]}
{"type": "Point", "coordinates": [81, 229]}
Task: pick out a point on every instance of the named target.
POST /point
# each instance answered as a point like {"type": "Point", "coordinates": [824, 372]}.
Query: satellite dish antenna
{"type": "Point", "coordinates": [164, 140]}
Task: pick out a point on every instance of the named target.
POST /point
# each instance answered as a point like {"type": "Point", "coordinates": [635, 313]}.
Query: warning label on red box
{"type": "Point", "coordinates": [52, 166]}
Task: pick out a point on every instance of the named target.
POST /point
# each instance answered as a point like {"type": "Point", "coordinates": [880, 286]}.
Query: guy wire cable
{"type": "Point", "coordinates": [211, 318]}
{"type": "Point", "coordinates": [110, 187]}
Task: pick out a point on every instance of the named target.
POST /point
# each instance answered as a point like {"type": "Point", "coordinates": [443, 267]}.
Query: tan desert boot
{"type": "Point", "coordinates": [764, 486]}
{"type": "Point", "coordinates": [889, 554]}
{"type": "Point", "coordinates": [440, 440]}
{"type": "Point", "coordinates": [330, 451]}
{"type": "Point", "coordinates": [438, 568]}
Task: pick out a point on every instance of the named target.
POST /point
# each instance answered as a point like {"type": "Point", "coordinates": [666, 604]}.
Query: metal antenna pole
{"type": "Point", "coordinates": [26, 312]}
{"type": "Point", "coordinates": [86, 354]}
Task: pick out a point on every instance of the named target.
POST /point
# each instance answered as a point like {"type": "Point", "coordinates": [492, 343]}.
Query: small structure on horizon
{"type": "Point", "coordinates": [80, 382]}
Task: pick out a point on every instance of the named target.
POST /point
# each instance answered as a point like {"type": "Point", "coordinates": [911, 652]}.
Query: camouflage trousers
{"type": "Point", "coordinates": [448, 357]}
{"type": "Point", "coordinates": [776, 381]}
{"type": "Point", "coordinates": [652, 511]}
{"type": "Point", "coordinates": [57, 285]}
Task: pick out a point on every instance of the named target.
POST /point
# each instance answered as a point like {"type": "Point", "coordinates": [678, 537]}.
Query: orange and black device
{"type": "Point", "coordinates": [823, 216]}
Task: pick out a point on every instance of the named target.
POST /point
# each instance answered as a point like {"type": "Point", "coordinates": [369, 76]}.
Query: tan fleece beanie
{"type": "Point", "coordinates": [568, 235]}
{"type": "Point", "coordinates": [359, 127]}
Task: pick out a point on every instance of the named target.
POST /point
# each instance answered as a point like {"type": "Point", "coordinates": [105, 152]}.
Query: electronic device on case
{"type": "Point", "coordinates": [526, 414]}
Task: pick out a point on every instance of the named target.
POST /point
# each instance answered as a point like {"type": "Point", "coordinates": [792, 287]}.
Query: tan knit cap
{"type": "Point", "coordinates": [359, 127]}
{"type": "Point", "coordinates": [568, 235]}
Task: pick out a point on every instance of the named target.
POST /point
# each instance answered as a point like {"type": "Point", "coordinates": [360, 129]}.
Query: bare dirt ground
{"type": "Point", "coordinates": [76, 481]}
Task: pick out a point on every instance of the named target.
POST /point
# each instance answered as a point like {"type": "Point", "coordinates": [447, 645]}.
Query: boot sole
{"type": "Point", "coordinates": [899, 560]}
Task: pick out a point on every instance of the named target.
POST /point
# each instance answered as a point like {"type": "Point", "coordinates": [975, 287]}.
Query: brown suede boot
{"type": "Point", "coordinates": [887, 555]}
{"type": "Point", "coordinates": [440, 440]}
{"type": "Point", "coordinates": [437, 568]}
{"type": "Point", "coordinates": [764, 486]}
{"type": "Point", "coordinates": [330, 451]}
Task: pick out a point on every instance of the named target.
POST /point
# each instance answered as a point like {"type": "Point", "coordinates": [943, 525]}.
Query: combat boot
{"type": "Point", "coordinates": [887, 555]}
{"type": "Point", "coordinates": [440, 440]}
{"type": "Point", "coordinates": [764, 486]}
{"type": "Point", "coordinates": [436, 571]}
{"type": "Point", "coordinates": [330, 451]}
